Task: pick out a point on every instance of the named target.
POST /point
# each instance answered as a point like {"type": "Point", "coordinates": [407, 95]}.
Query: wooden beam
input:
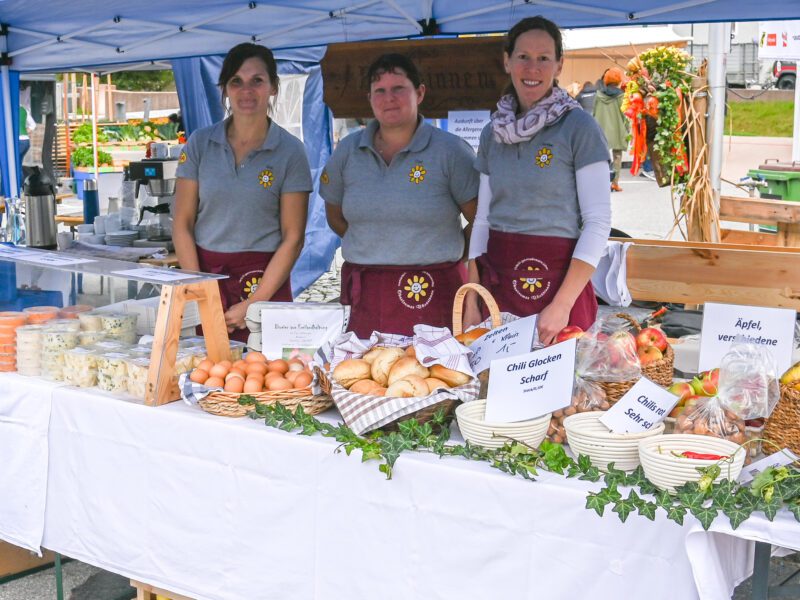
{"type": "Point", "coordinates": [751, 238]}
{"type": "Point", "coordinates": [758, 210]}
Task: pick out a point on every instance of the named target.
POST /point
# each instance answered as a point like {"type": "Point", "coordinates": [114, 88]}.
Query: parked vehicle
{"type": "Point", "coordinates": [785, 74]}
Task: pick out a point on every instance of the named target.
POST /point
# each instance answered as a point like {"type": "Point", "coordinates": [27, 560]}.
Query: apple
{"type": "Point", "coordinates": [690, 402]}
{"type": "Point", "coordinates": [681, 389]}
{"type": "Point", "coordinates": [570, 331]}
{"type": "Point", "coordinates": [650, 336]}
{"type": "Point", "coordinates": [710, 382]}
{"type": "Point", "coordinates": [676, 411]}
{"type": "Point", "coordinates": [697, 385]}
{"type": "Point", "coordinates": [649, 354]}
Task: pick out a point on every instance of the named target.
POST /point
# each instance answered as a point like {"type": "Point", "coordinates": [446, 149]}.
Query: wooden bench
{"type": "Point", "coordinates": [698, 272]}
{"type": "Point", "coordinates": [764, 211]}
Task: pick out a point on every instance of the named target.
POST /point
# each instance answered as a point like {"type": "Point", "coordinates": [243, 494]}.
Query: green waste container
{"type": "Point", "coordinates": [783, 183]}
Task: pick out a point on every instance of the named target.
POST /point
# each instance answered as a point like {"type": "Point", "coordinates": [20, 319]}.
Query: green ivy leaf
{"type": "Point", "coordinates": [794, 508]}
{"type": "Point", "coordinates": [664, 499]}
{"type": "Point", "coordinates": [705, 514]}
{"type": "Point", "coordinates": [636, 477]}
{"type": "Point", "coordinates": [790, 488]}
{"type": "Point", "coordinates": [770, 508]}
{"type": "Point", "coordinates": [690, 495]}
{"type": "Point", "coordinates": [392, 446]}
{"type": "Point", "coordinates": [648, 510]}
{"type": "Point", "coordinates": [623, 508]}
{"type": "Point", "coordinates": [554, 457]}
{"type": "Point", "coordinates": [591, 474]}
{"type": "Point", "coordinates": [737, 514]}
{"type": "Point", "coordinates": [584, 463]}
{"type": "Point", "coordinates": [597, 502]}
{"type": "Point", "coordinates": [614, 476]}
{"type": "Point", "coordinates": [676, 513]}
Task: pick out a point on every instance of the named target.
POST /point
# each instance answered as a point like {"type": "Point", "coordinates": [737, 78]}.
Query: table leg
{"type": "Point", "coordinates": [760, 589]}
{"type": "Point", "coordinates": [59, 578]}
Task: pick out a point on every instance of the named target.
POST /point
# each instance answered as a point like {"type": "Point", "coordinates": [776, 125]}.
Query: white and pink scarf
{"type": "Point", "coordinates": [512, 129]}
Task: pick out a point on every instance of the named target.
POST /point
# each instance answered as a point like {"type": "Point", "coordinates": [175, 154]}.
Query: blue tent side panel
{"type": "Point", "coordinates": [199, 97]}
{"type": "Point", "coordinates": [4, 166]}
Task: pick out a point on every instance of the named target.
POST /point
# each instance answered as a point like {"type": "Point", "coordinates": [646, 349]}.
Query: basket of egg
{"type": "Point", "coordinates": [265, 381]}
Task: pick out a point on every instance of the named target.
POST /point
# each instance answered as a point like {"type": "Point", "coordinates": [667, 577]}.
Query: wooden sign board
{"type": "Point", "coordinates": [458, 73]}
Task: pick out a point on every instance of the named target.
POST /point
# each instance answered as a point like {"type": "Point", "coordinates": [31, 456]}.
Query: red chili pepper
{"type": "Point", "coordinates": [701, 456]}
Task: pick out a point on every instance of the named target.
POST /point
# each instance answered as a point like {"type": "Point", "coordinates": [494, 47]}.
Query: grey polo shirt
{"type": "Point", "coordinates": [407, 212]}
{"type": "Point", "coordinates": [239, 208]}
{"type": "Point", "coordinates": [533, 183]}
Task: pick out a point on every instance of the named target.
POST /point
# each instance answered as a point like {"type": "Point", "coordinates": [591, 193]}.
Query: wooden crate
{"type": "Point", "coordinates": [763, 211]}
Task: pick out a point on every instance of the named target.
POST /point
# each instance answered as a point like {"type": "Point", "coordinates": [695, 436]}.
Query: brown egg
{"type": "Point", "coordinates": [240, 372]}
{"type": "Point", "coordinates": [279, 384]}
{"type": "Point", "coordinates": [256, 377]}
{"type": "Point", "coordinates": [239, 364]}
{"type": "Point", "coordinates": [257, 368]}
{"type": "Point", "coordinates": [206, 365]}
{"type": "Point", "coordinates": [295, 364]}
{"type": "Point", "coordinates": [290, 375]}
{"type": "Point", "coordinates": [256, 357]}
{"type": "Point", "coordinates": [272, 375]}
{"type": "Point", "coordinates": [215, 382]}
{"type": "Point", "coordinates": [279, 365]}
{"type": "Point", "coordinates": [253, 386]}
{"type": "Point", "coordinates": [303, 380]}
{"type": "Point", "coordinates": [225, 363]}
{"type": "Point", "coordinates": [218, 370]}
{"type": "Point", "coordinates": [234, 375]}
{"type": "Point", "coordinates": [235, 385]}
{"type": "Point", "coordinates": [199, 375]}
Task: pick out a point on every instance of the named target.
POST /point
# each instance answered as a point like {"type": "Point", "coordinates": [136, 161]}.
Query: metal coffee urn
{"type": "Point", "coordinates": [39, 197]}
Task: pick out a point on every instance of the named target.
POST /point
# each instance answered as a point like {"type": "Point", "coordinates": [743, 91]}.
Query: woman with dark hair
{"type": "Point", "coordinates": [395, 192]}
{"type": "Point", "coordinates": [242, 193]}
{"type": "Point", "coordinates": [544, 209]}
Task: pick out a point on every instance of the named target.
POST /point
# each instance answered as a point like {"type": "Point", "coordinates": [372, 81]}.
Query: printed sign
{"type": "Point", "coordinates": [643, 406]}
{"type": "Point", "coordinates": [779, 40]}
{"type": "Point", "coordinates": [468, 124]}
{"type": "Point", "coordinates": [297, 331]}
{"type": "Point", "coordinates": [54, 260]}
{"type": "Point", "coordinates": [13, 252]}
{"type": "Point", "coordinates": [504, 342]}
{"type": "Point", "coordinates": [726, 324]}
{"type": "Point", "coordinates": [165, 275]}
{"type": "Point", "coordinates": [531, 385]}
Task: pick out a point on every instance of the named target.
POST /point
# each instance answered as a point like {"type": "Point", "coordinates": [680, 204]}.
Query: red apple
{"type": "Point", "coordinates": [676, 411]}
{"type": "Point", "coordinates": [650, 336]}
{"type": "Point", "coordinates": [682, 389]}
{"type": "Point", "coordinates": [570, 331]}
{"type": "Point", "coordinates": [649, 354]}
{"type": "Point", "coordinates": [710, 382]}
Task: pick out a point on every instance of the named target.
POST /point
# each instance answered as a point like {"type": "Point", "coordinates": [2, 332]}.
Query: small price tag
{"type": "Point", "coordinates": [513, 339]}
{"type": "Point", "coordinates": [643, 406]}
{"type": "Point", "coordinates": [165, 275]}
{"type": "Point", "coordinates": [531, 385]}
{"type": "Point", "coordinates": [54, 260]}
{"type": "Point", "coordinates": [726, 324]}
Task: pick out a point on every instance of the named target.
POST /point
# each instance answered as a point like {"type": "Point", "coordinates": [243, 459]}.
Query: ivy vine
{"type": "Point", "coordinates": [626, 493]}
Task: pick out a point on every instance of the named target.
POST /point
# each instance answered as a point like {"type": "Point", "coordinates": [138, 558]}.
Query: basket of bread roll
{"type": "Point", "coordinates": [475, 333]}
{"type": "Point", "coordinates": [379, 384]}
{"type": "Point", "coordinates": [231, 389]}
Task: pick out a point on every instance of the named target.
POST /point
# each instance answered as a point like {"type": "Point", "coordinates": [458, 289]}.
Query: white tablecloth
{"type": "Point", "coordinates": [24, 419]}
{"type": "Point", "coordinates": [226, 509]}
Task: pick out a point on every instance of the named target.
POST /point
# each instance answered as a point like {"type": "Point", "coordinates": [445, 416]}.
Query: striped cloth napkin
{"type": "Point", "coordinates": [433, 345]}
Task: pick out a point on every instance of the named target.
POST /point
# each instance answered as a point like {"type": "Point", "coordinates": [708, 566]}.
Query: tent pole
{"type": "Point", "coordinates": [796, 129]}
{"type": "Point", "coordinates": [94, 130]}
{"type": "Point", "coordinates": [718, 44]}
{"type": "Point", "coordinates": [11, 143]}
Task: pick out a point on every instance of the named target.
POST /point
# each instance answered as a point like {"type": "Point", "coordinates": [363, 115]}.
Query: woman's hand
{"type": "Point", "coordinates": [552, 319]}
{"type": "Point", "coordinates": [234, 316]}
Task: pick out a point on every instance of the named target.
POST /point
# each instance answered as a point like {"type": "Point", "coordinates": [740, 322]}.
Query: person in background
{"type": "Point", "coordinates": [396, 192]}
{"type": "Point", "coordinates": [608, 112]}
{"type": "Point", "coordinates": [586, 96]}
{"type": "Point", "coordinates": [544, 208]}
{"type": "Point", "coordinates": [242, 192]}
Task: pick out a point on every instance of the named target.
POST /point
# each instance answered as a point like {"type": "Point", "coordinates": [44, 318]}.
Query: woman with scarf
{"type": "Point", "coordinates": [395, 192]}
{"type": "Point", "coordinates": [544, 210]}
{"type": "Point", "coordinates": [608, 112]}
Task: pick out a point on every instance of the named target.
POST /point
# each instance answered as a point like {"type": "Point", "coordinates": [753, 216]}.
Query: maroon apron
{"type": "Point", "coordinates": [244, 271]}
{"type": "Point", "coordinates": [523, 273]}
{"type": "Point", "coordinates": [392, 299]}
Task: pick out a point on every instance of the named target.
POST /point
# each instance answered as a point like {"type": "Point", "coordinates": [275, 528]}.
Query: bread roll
{"type": "Point", "coordinates": [411, 352]}
{"type": "Point", "coordinates": [351, 370]}
{"type": "Point", "coordinates": [410, 387]}
{"type": "Point", "coordinates": [435, 384]}
{"type": "Point", "coordinates": [407, 366]}
{"type": "Point", "coordinates": [372, 353]}
{"type": "Point", "coordinates": [383, 364]}
{"type": "Point", "coordinates": [378, 390]}
{"type": "Point", "coordinates": [449, 376]}
{"type": "Point", "coordinates": [364, 386]}
{"type": "Point", "coordinates": [470, 336]}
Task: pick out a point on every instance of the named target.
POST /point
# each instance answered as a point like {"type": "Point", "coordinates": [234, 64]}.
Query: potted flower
{"type": "Point", "coordinates": [655, 98]}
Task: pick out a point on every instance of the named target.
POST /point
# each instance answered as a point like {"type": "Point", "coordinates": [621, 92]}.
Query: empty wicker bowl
{"type": "Point", "coordinates": [667, 471]}
{"type": "Point", "coordinates": [481, 433]}
{"type": "Point", "coordinates": [587, 435]}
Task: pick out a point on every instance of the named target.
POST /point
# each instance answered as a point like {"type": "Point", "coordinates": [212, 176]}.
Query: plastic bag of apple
{"type": "Point", "coordinates": [721, 401]}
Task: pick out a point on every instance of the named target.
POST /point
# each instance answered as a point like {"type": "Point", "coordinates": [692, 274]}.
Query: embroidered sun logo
{"type": "Point", "coordinates": [265, 178]}
{"type": "Point", "coordinates": [416, 287]}
{"type": "Point", "coordinates": [251, 285]}
{"type": "Point", "coordinates": [417, 174]}
{"type": "Point", "coordinates": [324, 178]}
{"type": "Point", "coordinates": [543, 157]}
{"type": "Point", "coordinates": [531, 283]}
{"type": "Point", "coordinates": [182, 158]}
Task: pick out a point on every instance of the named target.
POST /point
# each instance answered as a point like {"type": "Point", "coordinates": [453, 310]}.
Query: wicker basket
{"type": "Point", "coordinates": [458, 320]}
{"type": "Point", "coordinates": [783, 425]}
{"type": "Point", "coordinates": [226, 404]}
